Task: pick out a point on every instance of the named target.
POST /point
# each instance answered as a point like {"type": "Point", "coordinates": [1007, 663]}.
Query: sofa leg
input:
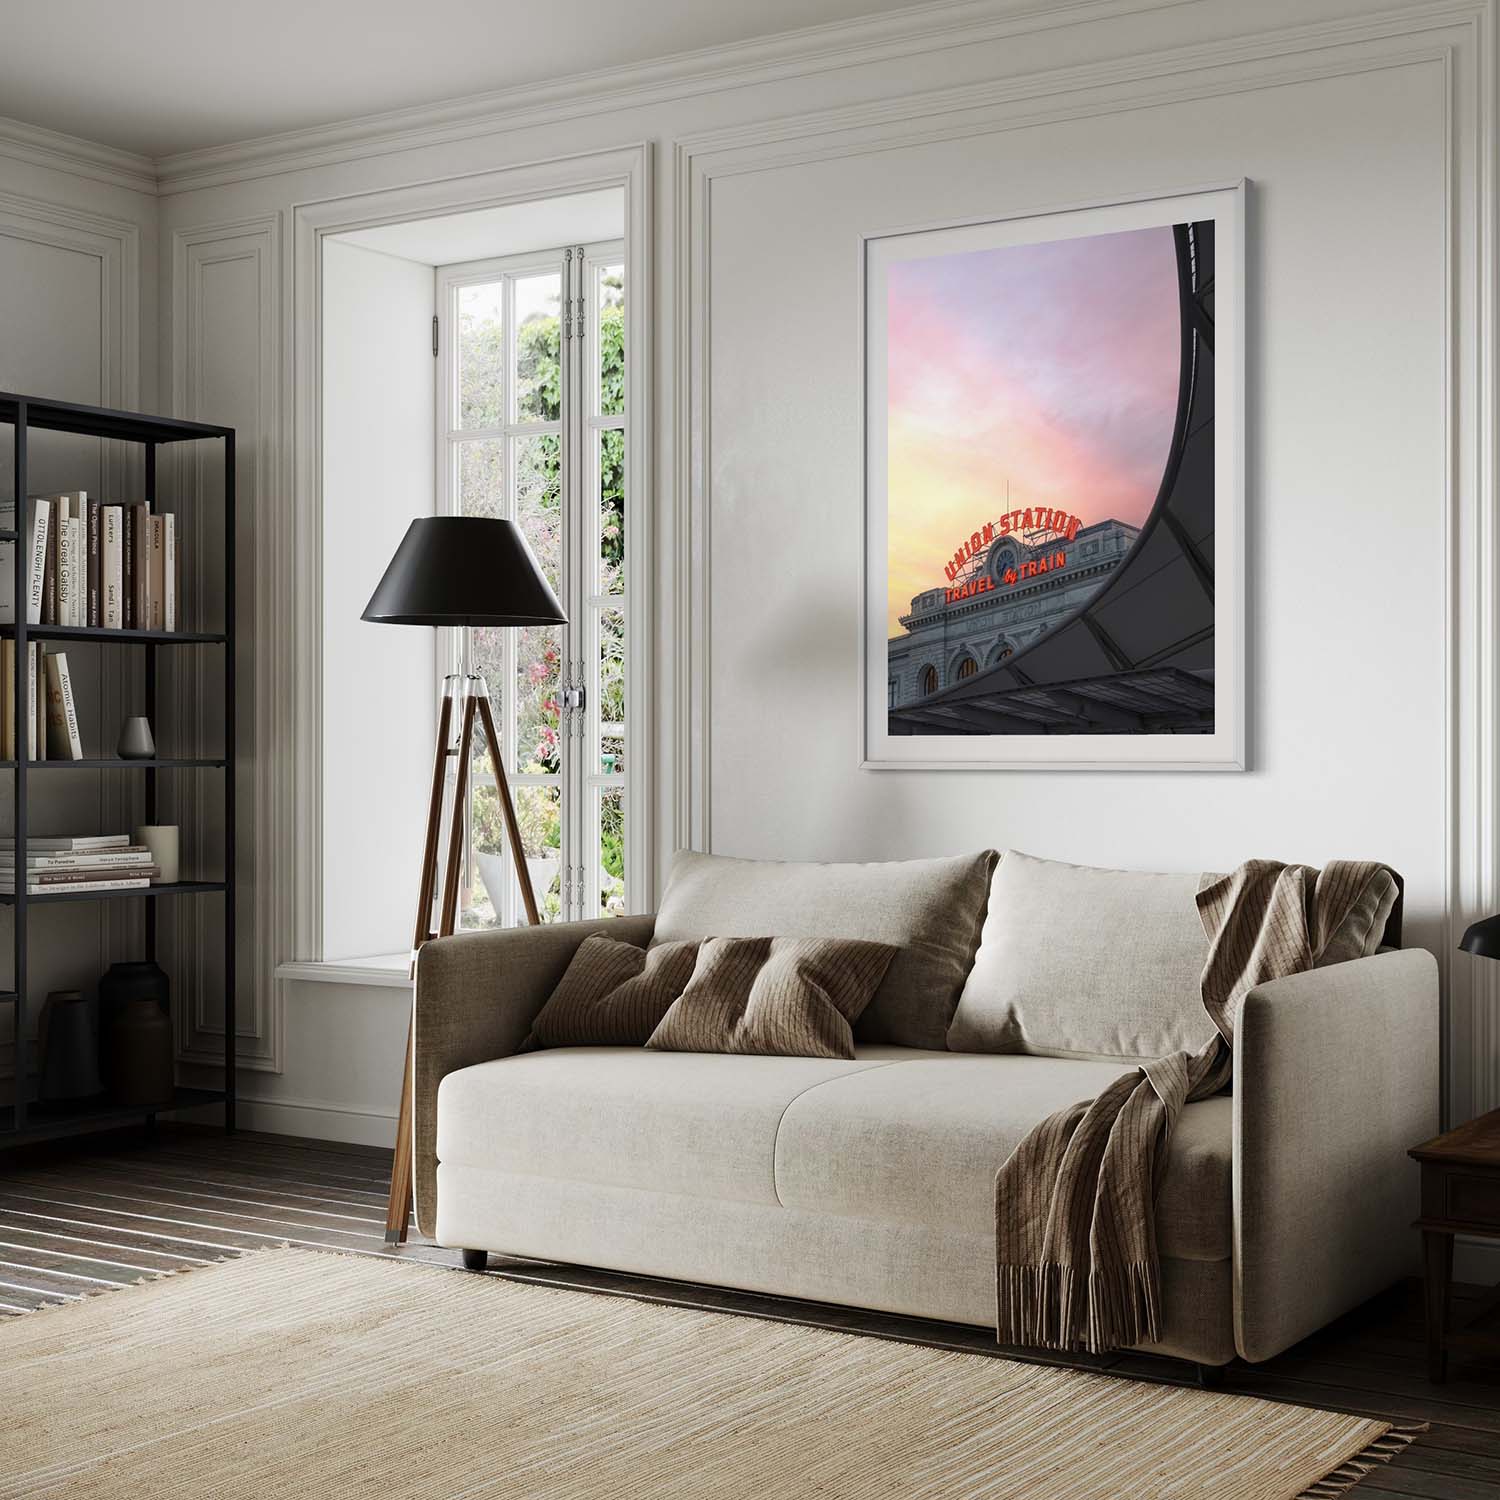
{"type": "Point", "coordinates": [1210, 1377]}
{"type": "Point", "coordinates": [476, 1260]}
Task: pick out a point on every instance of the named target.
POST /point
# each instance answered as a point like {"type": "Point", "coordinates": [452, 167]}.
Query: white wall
{"type": "Point", "coordinates": [378, 680]}
{"type": "Point", "coordinates": [78, 281]}
{"type": "Point", "coordinates": [1346, 428]}
{"type": "Point", "coordinates": [1371, 553]}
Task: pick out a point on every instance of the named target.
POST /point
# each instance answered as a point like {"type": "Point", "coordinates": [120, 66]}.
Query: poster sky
{"type": "Point", "coordinates": [1051, 366]}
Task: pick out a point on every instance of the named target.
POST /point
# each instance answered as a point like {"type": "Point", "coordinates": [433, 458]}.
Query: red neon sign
{"type": "Point", "coordinates": [1031, 523]}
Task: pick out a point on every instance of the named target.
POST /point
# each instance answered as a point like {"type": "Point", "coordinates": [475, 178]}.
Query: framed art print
{"type": "Point", "coordinates": [1054, 492]}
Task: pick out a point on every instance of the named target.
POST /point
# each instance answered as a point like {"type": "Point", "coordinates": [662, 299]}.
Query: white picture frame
{"type": "Point", "coordinates": [1221, 748]}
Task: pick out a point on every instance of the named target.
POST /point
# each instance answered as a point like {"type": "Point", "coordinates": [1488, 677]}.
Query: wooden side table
{"type": "Point", "coordinates": [1460, 1195]}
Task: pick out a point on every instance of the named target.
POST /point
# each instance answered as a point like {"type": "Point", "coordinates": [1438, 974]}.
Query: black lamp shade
{"type": "Point", "coordinates": [1483, 938]}
{"type": "Point", "coordinates": [463, 570]}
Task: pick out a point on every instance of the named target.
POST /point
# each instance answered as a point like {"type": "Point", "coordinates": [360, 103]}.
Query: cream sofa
{"type": "Point", "coordinates": [869, 1181]}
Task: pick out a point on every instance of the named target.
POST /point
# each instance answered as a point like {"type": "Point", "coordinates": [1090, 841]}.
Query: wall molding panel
{"type": "Point", "coordinates": [115, 244]}
{"type": "Point", "coordinates": [1455, 39]}
{"type": "Point", "coordinates": [240, 261]}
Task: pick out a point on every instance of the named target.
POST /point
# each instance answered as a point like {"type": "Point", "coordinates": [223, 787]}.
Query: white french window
{"type": "Point", "coordinates": [531, 414]}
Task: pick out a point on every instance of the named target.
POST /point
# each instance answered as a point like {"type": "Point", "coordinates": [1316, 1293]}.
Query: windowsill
{"type": "Point", "coordinates": [380, 971]}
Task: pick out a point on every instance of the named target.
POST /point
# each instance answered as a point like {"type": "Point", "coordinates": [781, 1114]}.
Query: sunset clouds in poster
{"type": "Point", "coordinates": [1052, 366]}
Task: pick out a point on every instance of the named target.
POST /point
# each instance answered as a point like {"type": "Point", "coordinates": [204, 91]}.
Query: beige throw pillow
{"type": "Point", "coordinates": [787, 997]}
{"type": "Point", "coordinates": [931, 909]}
{"type": "Point", "coordinates": [613, 994]}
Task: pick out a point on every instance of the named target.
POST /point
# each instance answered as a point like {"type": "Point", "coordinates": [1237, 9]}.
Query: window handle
{"type": "Point", "coordinates": [574, 698]}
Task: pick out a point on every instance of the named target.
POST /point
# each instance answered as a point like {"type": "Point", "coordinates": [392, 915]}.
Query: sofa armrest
{"type": "Point", "coordinates": [1336, 1075]}
{"type": "Point", "coordinates": [476, 996]}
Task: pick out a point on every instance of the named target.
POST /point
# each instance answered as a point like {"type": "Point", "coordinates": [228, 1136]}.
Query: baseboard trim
{"type": "Point", "coordinates": [317, 1121]}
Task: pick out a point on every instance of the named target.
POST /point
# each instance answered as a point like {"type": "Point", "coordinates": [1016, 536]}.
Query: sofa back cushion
{"type": "Point", "coordinates": [1078, 962]}
{"type": "Point", "coordinates": [931, 909]}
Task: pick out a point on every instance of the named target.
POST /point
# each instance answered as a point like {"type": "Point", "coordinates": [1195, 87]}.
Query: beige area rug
{"type": "Point", "coordinates": [291, 1373]}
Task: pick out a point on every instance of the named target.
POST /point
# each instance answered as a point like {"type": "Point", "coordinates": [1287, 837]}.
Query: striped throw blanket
{"type": "Point", "coordinates": [1076, 1264]}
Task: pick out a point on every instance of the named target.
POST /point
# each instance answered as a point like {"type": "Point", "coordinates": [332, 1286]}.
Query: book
{"type": "Point", "coordinates": [32, 739]}
{"type": "Point", "coordinates": [156, 587]}
{"type": "Point", "coordinates": [35, 889]}
{"type": "Point", "coordinates": [63, 742]}
{"type": "Point", "coordinates": [66, 576]}
{"type": "Point", "coordinates": [36, 577]}
{"type": "Point", "coordinates": [7, 565]}
{"type": "Point", "coordinates": [169, 572]}
{"type": "Point", "coordinates": [93, 614]}
{"type": "Point", "coordinates": [35, 878]}
{"type": "Point", "coordinates": [139, 563]}
{"type": "Point", "coordinates": [71, 841]}
{"type": "Point", "coordinates": [7, 700]}
{"type": "Point", "coordinates": [39, 666]}
{"type": "Point", "coordinates": [112, 567]}
{"type": "Point", "coordinates": [49, 570]}
{"type": "Point", "coordinates": [132, 855]}
{"type": "Point", "coordinates": [127, 592]}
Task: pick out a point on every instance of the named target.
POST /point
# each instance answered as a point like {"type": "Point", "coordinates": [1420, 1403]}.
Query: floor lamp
{"type": "Point", "coordinates": [456, 571]}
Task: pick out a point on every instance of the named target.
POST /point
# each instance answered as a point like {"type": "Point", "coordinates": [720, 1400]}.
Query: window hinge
{"type": "Point", "coordinates": [434, 336]}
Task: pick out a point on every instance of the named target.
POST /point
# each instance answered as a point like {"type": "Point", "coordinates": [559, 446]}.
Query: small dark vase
{"type": "Point", "coordinates": [123, 983]}
{"type": "Point", "coordinates": [140, 1052]}
{"type": "Point", "coordinates": [69, 1042]}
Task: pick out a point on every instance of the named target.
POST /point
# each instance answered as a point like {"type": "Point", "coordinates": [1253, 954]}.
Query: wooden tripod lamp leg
{"type": "Point", "coordinates": [398, 1206]}
{"type": "Point", "coordinates": [507, 809]}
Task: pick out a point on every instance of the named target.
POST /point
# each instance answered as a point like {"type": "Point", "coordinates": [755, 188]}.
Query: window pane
{"type": "Point", "coordinates": [611, 853]}
{"type": "Point", "coordinates": [538, 500]}
{"type": "Point", "coordinates": [611, 672]}
{"type": "Point", "coordinates": [538, 680]}
{"type": "Point", "coordinates": [612, 512]}
{"type": "Point", "coordinates": [538, 388]}
{"type": "Point", "coordinates": [538, 814]}
{"type": "Point", "coordinates": [481, 355]}
{"type": "Point", "coordinates": [611, 750]}
{"type": "Point", "coordinates": [481, 477]}
{"type": "Point", "coordinates": [611, 341]}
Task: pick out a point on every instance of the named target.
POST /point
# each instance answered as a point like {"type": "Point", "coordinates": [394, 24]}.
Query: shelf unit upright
{"type": "Point", "coordinates": [25, 1119]}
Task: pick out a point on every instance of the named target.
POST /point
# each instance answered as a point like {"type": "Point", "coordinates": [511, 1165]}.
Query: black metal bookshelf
{"type": "Point", "coordinates": [27, 1119]}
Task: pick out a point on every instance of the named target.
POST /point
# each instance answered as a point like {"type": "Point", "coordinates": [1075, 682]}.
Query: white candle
{"type": "Point", "coordinates": [161, 840]}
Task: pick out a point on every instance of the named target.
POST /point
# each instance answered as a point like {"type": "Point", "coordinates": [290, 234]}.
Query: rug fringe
{"type": "Point", "coordinates": [1348, 1474]}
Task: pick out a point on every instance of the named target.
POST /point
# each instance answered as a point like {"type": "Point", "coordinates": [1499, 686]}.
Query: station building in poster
{"type": "Point", "coordinates": [1007, 585]}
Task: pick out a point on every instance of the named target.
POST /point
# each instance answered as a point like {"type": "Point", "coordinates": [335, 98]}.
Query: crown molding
{"type": "Point", "coordinates": [933, 27]}
{"type": "Point", "coordinates": [70, 153]}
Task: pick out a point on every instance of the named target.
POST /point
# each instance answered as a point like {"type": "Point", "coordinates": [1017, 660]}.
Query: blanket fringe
{"type": "Point", "coordinates": [1072, 1309]}
{"type": "Point", "coordinates": [1397, 1440]}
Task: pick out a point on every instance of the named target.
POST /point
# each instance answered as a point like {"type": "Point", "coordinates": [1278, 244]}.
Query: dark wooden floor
{"type": "Point", "coordinates": [85, 1217]}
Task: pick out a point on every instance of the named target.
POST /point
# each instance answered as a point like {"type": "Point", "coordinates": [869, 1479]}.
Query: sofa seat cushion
{"type": "Point", "coordinates": [894, 1134]}
{"type": "Point", "coordinates": [920, 1141]}
{"type": "Point", "coordinates": [674, 1122]}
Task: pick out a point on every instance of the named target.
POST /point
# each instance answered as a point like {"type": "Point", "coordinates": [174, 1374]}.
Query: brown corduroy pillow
{"type": "Point", "coordinates": [613, 994]}
{"type": "Point", "coordinates": [785, 997]}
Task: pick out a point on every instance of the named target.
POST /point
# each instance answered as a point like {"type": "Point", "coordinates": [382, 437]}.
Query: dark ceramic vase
{"type": "Point", "coordinates": [123, 984]}
{"type": "Point", "coordinates": [140, 1052]}
{"type": "Point", "coordinates": [69, 1043]}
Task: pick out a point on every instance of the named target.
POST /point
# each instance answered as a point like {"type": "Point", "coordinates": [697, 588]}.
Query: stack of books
{"type": "Point", "coordinates": [103, 567]}
{"type": "Point", "coordinates": [91, 862]}
{"type": "Point", "coordinates": [49, 727]}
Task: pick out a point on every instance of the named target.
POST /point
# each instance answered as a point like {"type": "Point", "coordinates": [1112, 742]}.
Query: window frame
{"type": "Point", "coordinates": [580, 780]}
